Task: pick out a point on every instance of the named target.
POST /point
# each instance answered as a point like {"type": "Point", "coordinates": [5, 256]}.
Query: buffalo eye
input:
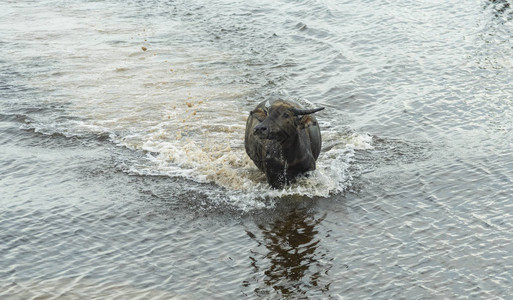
{"type": "Point", "coordinates": [286, 115]}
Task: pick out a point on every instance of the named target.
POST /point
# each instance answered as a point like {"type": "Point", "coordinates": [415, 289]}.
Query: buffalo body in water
{"type": "Point", "coordinates": [283, 140]}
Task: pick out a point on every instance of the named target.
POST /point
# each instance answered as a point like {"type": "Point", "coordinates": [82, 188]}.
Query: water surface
{"type": "Point", "coordinates": [123, 172]}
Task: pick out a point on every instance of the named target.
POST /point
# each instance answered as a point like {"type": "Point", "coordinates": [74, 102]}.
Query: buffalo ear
{"type": "Point", "coordinates": [259, 113]}
{"type": "Point", "coordinates": [306, 121]}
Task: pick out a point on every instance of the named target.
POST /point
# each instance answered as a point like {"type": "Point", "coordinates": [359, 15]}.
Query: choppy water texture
{"type": "Point", "coordinates": [123, 172]}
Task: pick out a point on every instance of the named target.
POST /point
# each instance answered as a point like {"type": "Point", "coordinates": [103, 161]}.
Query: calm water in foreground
{"type": "Point", "coordinates": [123, 172]}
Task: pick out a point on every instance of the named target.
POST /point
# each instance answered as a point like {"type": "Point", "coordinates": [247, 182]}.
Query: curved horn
{"type": "Point", "coordinates": [306, 111]}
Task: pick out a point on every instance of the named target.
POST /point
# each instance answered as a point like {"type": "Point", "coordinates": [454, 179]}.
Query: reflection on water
{"type": "Point", "coordinates": [289, 259]}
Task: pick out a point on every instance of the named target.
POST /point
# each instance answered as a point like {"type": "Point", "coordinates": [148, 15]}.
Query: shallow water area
{"type": "Point", "coordinates": [123, 172]}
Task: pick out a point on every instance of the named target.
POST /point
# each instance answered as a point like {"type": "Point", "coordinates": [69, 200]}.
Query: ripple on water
{"type": "Point", "coordinates": [105, 192]}
{"type": "Point", "coordinates": [181, 104]}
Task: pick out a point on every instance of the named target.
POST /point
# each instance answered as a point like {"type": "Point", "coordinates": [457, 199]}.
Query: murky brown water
{"type": "Point", "coordinates": [123, 172]}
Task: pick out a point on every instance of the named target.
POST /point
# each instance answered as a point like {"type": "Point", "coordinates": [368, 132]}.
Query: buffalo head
{"type": "Point", "coordinates": [282, 121]}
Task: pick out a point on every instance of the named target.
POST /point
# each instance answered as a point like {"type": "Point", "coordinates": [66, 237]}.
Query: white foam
{"type": "Point", "coordinates": [232, 170]}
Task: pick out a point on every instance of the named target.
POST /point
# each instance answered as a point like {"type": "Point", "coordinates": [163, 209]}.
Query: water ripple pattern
{"type": "Point", "coordinates": [123, 173]}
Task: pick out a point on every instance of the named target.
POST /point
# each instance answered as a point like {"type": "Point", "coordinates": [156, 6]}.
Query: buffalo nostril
{"type": "Point", "coordinates": [260, 128]}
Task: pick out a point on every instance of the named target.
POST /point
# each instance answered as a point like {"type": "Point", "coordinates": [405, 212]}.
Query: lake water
{"type": "Point", "coordinates": [123, 172]}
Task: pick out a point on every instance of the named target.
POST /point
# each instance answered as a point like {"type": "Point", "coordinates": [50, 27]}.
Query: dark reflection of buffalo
{"type": "Point", "coordinates": [290, 258]}
{"type": "Point", "coordinates": [283, 140]}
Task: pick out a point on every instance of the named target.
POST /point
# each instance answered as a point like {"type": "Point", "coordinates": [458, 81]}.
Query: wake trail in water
{"type": "Point", "coordinates": [152, 87]}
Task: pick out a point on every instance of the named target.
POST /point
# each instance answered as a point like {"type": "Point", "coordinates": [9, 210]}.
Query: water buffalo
{"type": "Point", "coordinates": [283, 140]}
